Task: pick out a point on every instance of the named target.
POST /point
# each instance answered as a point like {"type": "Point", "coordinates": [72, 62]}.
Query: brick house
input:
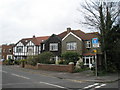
{"type": "Point", "coordinates": [7, 51]}
{"type": "Point", "coordinates": [0, 52]}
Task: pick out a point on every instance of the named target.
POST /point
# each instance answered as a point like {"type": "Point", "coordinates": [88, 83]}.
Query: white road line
{"type": "Point", "coordinates": [19, 76]}
{"type": "Point", "coordinates": [52, 85]}
{"type": "Point", "coordinates": [100, 86]}
{"type": "Point", "coordinates": [3, 71]}
{"type": "Point", "coordinates": [91, 86]}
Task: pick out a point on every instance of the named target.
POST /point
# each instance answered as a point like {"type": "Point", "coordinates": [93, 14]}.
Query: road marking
{"type": "Point", "coordinates": [91, 86]}
{"type": "Point", "coordinates": [20, 76]}
{"type": "Point", "coordinates": [53, 85]}
{"type": "Point", "coordinates": [100, 86]}
{"type": "Point", "coordinates": [19, 83]}
{"type": "Point", "coordinates": [3, 71]}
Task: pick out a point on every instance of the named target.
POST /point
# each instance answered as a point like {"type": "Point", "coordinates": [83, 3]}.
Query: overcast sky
{"type": "Point", "coordinates": [25, 18]}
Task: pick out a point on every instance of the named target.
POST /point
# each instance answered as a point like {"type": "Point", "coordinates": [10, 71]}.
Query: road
{"type": "Point", "coordinates": [15, 78]}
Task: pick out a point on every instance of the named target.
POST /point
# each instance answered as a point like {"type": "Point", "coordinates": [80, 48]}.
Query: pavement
{"type": "Point", "coordinates": [85, 76]}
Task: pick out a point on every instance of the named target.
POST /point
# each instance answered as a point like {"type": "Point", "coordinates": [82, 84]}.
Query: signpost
{"type": "Point", "coordinates": [95, 51]}
{"type": "Point", "coordinates": [95, 44]}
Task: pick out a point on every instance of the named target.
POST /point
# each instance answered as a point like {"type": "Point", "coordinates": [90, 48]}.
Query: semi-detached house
{"type": "Point", "coordinates": [69, 40]}
{"type": "Point", "coordinates": [28, 47]}
{"type": "Point", "coordinates": [75, 41]}
{"type": "Point", "coordinates": [80, 42]}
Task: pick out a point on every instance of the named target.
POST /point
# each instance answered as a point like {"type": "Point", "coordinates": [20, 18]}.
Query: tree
{"type": "Point", "coordinates": [101, 16]}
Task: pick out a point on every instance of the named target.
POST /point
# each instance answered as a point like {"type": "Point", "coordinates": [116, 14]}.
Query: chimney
{"type": "Point", "coordinates": [33, 36]}
{"type": "Point", "coordinates": [68, 30]}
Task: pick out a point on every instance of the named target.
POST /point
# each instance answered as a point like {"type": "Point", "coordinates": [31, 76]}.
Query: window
{"type": "Point", "coordinates": [4, 50]}
{"type": "Point", "coordinates": [71, 46]}
{"type": "Point", "coordinates": [88, 44]}
{"type": "Point", "coordinates": [30, 49]}
{"type": "Point", "coordinates": [10, 50]}
{"type": "Point", "coordinates": [19, 49]}
{"type": "Point", "coordinates": [9, 57]}
{"type": "Point", "coordinates": [43, 46]}
{"type": "Point", "coordinates": [53, 46]}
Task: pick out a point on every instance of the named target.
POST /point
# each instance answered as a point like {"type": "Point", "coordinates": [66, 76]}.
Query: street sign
{"type": "Point", "coordinates": [94, 50]}
{"type": "Point", "coordinates": [95, 42]}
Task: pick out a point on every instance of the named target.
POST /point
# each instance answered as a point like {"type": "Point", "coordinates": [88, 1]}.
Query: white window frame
{"type": "Point", "coordinates": [53, 46]}
{"type": "Point", "coordinates": [9, 56]}
{"type": "Point", "coordinates": [90, 60]}
{"type": "Point", "coordinates": [43, 47]}
{"type": "Point", "coordinates": [88, 44]}
{"type": "Point", "coordinates": [30, 49]}
{"type": "Point", "coordinates": [17, 49]}
{"type": "Point", "coordinates": [71, 46]}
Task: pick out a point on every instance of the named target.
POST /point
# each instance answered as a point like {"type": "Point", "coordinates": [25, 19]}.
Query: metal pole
{"type": "Point", "coordinates": [96, 65]}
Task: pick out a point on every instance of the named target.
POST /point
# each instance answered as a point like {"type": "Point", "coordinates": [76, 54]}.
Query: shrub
{"type": "Point", "coordinates": [32, 60]}
{"type": "Point", "coordinates": [70, 57]}
{"type": "Point", "coordinates": [64, 62]}
{"type": "Point", "coordinates": [17, 62]}
{"type": "Point", "coordinates": [5, 62]}
{"type": "Point", "coordinates": [45, 57]}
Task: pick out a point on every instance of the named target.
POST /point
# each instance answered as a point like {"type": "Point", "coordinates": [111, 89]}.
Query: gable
{"type": "Point", "coordinates": [70, 33]}
{"type": "Point", "coordinates": [19, 44]}
{"type": "Point", "coordinates": [53, 38]}
{"type": "Point", "coordinates": [30, 43]}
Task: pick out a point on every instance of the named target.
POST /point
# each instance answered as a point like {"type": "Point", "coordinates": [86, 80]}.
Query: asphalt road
{"type": "Point", "coordinates": [15, 78]}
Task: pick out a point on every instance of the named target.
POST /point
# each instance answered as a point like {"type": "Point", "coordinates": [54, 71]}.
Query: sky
{"type": "Point", "coordinates": [25, 18]}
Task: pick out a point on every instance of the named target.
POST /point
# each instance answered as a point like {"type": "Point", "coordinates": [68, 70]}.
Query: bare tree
{"type": "Point", "coordinates": [102, 16]}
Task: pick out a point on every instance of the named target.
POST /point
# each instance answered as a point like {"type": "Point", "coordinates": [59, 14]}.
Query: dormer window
{"type": "Point", "coordinates": [88, 44]}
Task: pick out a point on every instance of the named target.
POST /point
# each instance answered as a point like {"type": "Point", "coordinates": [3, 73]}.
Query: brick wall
{"type": "Point", "coordinates": [63, 68]}
{"type": "Point", "coordinates": [52, 67]}
{"type": "Point", "coordinates": [30, 66]}
{"type": "Point", "coordinates": [0, 62]}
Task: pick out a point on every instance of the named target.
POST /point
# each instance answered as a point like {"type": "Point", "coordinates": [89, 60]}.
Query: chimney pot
{"type": "Point", "coordinates": [33, 36]}
{"type": "Point", "coordinates": [68, 30]}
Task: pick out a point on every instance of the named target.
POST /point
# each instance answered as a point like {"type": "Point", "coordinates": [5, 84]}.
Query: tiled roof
{"type": "Point", "coordinates": [88, 54]}
{"type": "Point", "coordinates": [63, 34]}
{"type": "Point", "coordinates": [35, 40]}
{"type": "Point", "coordinates": [80, 34]}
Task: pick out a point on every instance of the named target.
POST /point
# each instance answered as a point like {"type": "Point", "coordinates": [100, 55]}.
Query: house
{"type": "Point", "coordinates": [0, 52]}
{"type": "Point", "coordinates": [28, 47]}
{"type": "Point", "coordinates": [52, 44]}
{"type": "Point", "coordinates": [69, 40]}
{"type": "Point", "coordinates": [6, 51]}
{"type": "Point", "coordinates": [80, 42]}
